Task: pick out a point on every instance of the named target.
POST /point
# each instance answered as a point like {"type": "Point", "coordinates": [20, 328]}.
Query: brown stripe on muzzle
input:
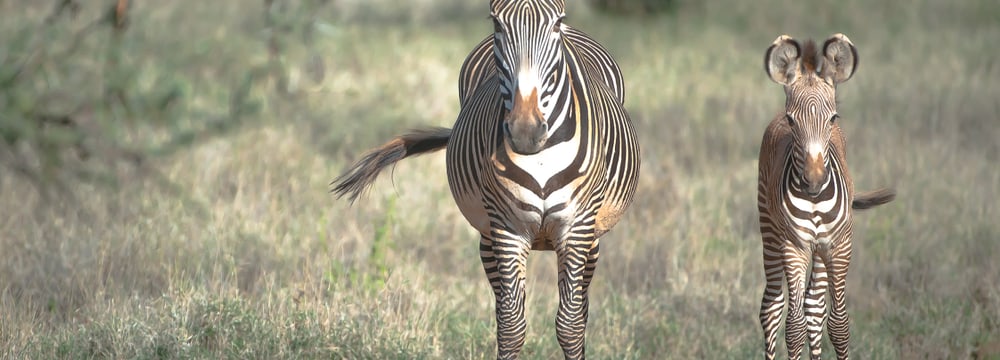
{"type": "Point", "coordinates": [815, 173]}
{"type": "Point", "coordinates": [525, 126]}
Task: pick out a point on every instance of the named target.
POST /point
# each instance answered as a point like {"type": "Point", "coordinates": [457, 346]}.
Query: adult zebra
{"type": "Point", "coordinates": [543, 156]}
{"type": "Point", "coordinates": [806, 197]}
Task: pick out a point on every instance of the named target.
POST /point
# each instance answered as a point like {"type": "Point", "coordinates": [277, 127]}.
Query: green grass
{"type": "Point", "coordinates": [224, 243]}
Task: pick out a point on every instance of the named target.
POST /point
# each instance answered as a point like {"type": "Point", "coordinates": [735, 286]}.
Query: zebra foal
{"type": "Point", "coordinates": [806, 197]}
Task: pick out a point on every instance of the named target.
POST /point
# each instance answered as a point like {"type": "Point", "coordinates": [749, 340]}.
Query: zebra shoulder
{"type": "Point", "coordinates": [478, 66]}
{"type": "Point", "coordinates": [774, 147]}
{"type": "Point", "coordinates": [598, 61]}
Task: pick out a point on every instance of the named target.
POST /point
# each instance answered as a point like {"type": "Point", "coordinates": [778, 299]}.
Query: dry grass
{"type": "Point", "coordinates": [237, 250]}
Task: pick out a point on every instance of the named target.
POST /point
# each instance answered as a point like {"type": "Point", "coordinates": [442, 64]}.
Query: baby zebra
{"type": "Point", "coordinates": [806, 197]}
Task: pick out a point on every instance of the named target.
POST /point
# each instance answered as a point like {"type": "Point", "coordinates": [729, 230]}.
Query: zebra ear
{"type": "Point", "coordinates": [840, 59]}
{"type": "Point", "coordinates": [781, 61]}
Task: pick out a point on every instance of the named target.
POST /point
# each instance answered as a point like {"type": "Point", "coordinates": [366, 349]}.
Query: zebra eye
{"type": "Point", "coordinates": [833, 119]}
{"type": "Point", "coordinates": [557, 27]}
{"type": "Point", "coordinates": [497, 27]}
{"type": "Point", "coordinates": [791, 122]}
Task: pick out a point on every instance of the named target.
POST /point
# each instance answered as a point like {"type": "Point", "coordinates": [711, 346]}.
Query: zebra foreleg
{"type": "Point", "coordinates": [839, 328]}
{"type": "Point", "coordinates": [796, 265]}
{"type": "Point", "coordinates": [577, 261]}
{"type": "Point", "coordinates": [815, 306]}
{"type": "Point", "coordinates": [504, 263]}
{"type": "Point", "coordinates": [772, 303]}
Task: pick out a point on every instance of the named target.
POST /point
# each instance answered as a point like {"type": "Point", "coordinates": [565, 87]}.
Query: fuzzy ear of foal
{"type": "Point", "coordinates": [781, 61]}
{"type": "Point", "coordinates": [840, 58]}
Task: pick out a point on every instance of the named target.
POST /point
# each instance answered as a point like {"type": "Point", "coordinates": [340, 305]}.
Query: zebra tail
{"type": "Point", "coordinates": [870, 199]}
{"type": "Point", "coordinates": [362, 174]}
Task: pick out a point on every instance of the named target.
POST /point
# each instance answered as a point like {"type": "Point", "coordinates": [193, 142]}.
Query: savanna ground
{"type": "Point", "coordinates": [200, 225]}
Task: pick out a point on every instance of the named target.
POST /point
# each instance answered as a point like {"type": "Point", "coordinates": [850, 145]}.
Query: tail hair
{"type": "Point", "coordinates": [870, 199]}
{"type": "Point", "coordinates": [360, 176]}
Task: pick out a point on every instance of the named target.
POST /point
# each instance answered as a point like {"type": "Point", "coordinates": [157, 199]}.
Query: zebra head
{"type": "Point", "coordinates": [810, 78]}
{"type": "Point", "coordinates": [528, 51]}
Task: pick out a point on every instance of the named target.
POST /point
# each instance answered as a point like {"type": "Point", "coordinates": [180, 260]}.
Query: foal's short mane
{"type": "Point", "coordinates": [809, 57]}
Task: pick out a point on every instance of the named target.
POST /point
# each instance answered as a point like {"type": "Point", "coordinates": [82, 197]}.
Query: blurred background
{"type": "Point", "coordinates": [164, 173]}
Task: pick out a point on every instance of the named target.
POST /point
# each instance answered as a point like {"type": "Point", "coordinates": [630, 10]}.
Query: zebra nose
{"type": "Point", "coordinates": [526, 136]}
{"type": "Point", "coordinates": [815, 174]}
{"type": "Point", "coordinates": [524, 125]}
{"type": "Point", "coordinates": [815, 179]}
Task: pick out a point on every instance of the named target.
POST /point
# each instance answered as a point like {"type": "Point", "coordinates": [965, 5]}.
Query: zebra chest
{"type": "Point", "coordinates": [538, 169]}
{"type": "Point", "coordinates": [815, 221]}
{"type": "Point", "coordinates": [818, 218]}
{"type": "Point", "coordinates": [540, 189]}
{"type": "Point", "coordinates": [538, 179]}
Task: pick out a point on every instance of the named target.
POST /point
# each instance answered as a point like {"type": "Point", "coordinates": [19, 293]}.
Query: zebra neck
{"type": "Point", "coordinates": [562, 120]}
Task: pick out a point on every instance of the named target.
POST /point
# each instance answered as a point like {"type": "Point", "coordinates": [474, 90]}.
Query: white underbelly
{"type": "Point", "coordinates": [555, 213]}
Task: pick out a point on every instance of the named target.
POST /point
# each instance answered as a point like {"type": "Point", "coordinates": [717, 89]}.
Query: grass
{"type": "Point", "coordinates": [229, 246]}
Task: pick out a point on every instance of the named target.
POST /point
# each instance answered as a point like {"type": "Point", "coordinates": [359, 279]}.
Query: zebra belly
{"type": "Point", "coordinates": [540, 221]}
{"type": "Point", "coordinates": [558, 214]}
{"type": "Point", "coordinates": [470, 204]}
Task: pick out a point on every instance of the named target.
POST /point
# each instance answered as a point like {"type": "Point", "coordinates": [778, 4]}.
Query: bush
{"type": "Point", "coordinates": [80, 101]}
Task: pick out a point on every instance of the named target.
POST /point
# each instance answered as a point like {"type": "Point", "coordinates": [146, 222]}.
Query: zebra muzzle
{"type": "Point", "coordinates": [524, 126]}
{"type": "Point", "coordinates": [815, 175]}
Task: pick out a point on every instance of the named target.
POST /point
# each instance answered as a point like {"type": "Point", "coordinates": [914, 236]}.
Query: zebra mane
{"type": "Point", "coordinates": [809, 57]}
